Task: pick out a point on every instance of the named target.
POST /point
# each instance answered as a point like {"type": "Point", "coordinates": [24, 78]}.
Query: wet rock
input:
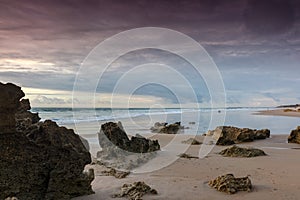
{"type": "Point", "coordinates": [167, 128]}
{"type": "Point", "coordinates": [228, 135]}
{"type": "Point", "coordinates": [40, 160]}
{"type": "Point", "coordinates": [294, 136]}
{"type": "Point", "coordinates": [236, 151]}
{"type": "Point", "coordinates": [118, 151]}
{"type": "Point", "coordinates": [135, 191]}
{"type": "Point", "coordinates": [231, 185]}
{"type": "Point", "coordinates": [192, 141]}
{"type": "Point", "coordinates": [188, 156]}
{"type": "Point", "coordinates": [116, 173]}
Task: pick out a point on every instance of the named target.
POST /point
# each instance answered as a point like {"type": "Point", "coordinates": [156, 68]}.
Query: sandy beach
{"type": "Point", "coordinates": [280, 112]}
{"type": "Point", "coordinates": [274, 176]}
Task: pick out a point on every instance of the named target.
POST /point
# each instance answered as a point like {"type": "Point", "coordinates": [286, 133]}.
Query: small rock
{"type": "Point", "coordinates": [135, 191]}
{"type": "Point", "coordinates": [236, 151]}
{"type": "Point", "coordinates": [116, 173]}
{"type": "Point", "coordinates": [192, 141]}
{"type": "Point", "coordinates": [188, 156]}
{"type": "Point", "coordinates": [229, 184]}
{"type": "Point", "coordinates": [294, 136]}
{"type": "Point", "coordinates": [166, 128]}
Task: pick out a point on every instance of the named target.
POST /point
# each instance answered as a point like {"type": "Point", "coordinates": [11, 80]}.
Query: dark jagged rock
{"type": "Point", "coordinates": [228, 135]}
{"type": "Point", "coordinates": [236, 151]}
{"type": "Point", "coordinates": [119, 138]}
{"type": "Point", "coordinates": [39, 160]}
{"type": "Point", "coordinates": [135, 191]}
{"type": "Point", "coordinates": [10, 96]}
{"type": "Point", "coordinates": [118, 151]}
{"type": "Point", "coordinates": [294, 136]}
{"type": "Point", "coordinates": [166, 128]}
{"type": "Point", "coordinates": [231, 185]}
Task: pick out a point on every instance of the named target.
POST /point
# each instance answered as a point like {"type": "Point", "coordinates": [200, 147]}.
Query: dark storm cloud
{"type": "Point", "coordinates": [269, 17]}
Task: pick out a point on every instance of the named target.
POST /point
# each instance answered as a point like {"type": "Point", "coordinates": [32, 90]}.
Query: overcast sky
{"type": "Point", "coordinates": [254, 43]}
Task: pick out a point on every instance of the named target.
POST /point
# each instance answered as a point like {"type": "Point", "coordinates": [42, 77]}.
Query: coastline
{"type": "Point", "coordinates": [273, 176]}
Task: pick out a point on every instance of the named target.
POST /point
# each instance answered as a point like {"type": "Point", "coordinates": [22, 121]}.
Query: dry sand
{"type": "Point", "coordinates": [275, 176]}
{"type": "Point", "coordinates": [280, 112]}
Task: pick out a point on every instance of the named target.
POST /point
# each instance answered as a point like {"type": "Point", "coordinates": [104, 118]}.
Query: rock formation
{"type": "Point", "coordinates": [236, 151]}
{"type": "Point", "coordinates": [294, 136]}
{"type": "Point", "coordinates": [228, 135]}
{"type": "Point", "coordinates": [39, 160]}
{"type": "Point", "coordinates": [231, 185]}
{"type": "Point", "coordinates": [118, 151]}
{"type": "Point", "coordinates": [191, 141]}
{"type": "Point", "coordinates": [116, 173]}
{"type": "Point", "coordinates": [116, 135]}
{"type": "Point", "coordinates": [135, 191]}
{"type": "Point", "coordinates": [166, 128]}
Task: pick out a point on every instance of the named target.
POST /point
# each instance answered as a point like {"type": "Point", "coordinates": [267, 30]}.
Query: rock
{"type": "Point", "coordinates": [116, 173]}
{"type": "Point", "coordinates": [192, 141]}
{"type": "Point", "coordinates": [192, 122]}
{"type": "Point", "coordinates": [118, 151]}
{"type": "Point", "coordinates": [167, 128]}
{"type": "Point", "coordinates": [135, 191]}
{"type": "Point", "coordinates": [85, 143]}
{"type": "Point", "coordinates": [294, 136]}
{"type": "Point", "coordinates": [24, 118]}
{"type": "Point", "coordinates": [228, 135]}
{"type": "Point", "coordinates": [231, 185]}
{"type": "Point", "coordinates": [236, 151]}
{"type": "Point", "coordinates": [119, 138]}
{"type": "Point", "coordinates": [10, 96]}
{"type": "Point", "coordinates": [40, 160]}
{"type": "Point", "coordinates": [188, 156]}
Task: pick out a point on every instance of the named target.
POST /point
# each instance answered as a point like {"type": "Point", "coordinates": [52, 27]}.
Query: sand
{"type": "Point", "coordinates": [275, 176]}
{"type": "Point", "coordinates": [279, 112]}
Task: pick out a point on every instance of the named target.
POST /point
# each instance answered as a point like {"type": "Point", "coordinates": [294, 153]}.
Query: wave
{"type": "Point", "coordinates": [69, 115]}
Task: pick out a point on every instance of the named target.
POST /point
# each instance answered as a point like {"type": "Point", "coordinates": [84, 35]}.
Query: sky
{"type": "Point", "coordinates": [255, 45]}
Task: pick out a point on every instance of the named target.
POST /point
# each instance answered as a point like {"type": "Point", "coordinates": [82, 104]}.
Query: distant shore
{"type": "Point", "coordinates": [288, 112]}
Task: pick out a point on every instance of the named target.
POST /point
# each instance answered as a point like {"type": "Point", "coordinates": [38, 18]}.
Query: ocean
{"type": "Point", "coordinates": [139, 120]}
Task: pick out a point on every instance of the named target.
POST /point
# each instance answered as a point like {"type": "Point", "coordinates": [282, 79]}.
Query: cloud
{"type": "Point", "coordinates": [254, 43]}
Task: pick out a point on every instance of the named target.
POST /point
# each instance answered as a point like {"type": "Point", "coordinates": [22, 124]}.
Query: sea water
{"type": "Point", "coordinates": [139, 120]}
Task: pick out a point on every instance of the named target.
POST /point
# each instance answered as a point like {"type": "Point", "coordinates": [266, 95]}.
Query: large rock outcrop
{"type": "Point", "coordinates": [294, 136]}
{"type": "Point", "coordinates": [118, 151]}
{"type": "Point", "coordinates": [39, 160]}
{"type": "Point", "coordinates": [228, 135]}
